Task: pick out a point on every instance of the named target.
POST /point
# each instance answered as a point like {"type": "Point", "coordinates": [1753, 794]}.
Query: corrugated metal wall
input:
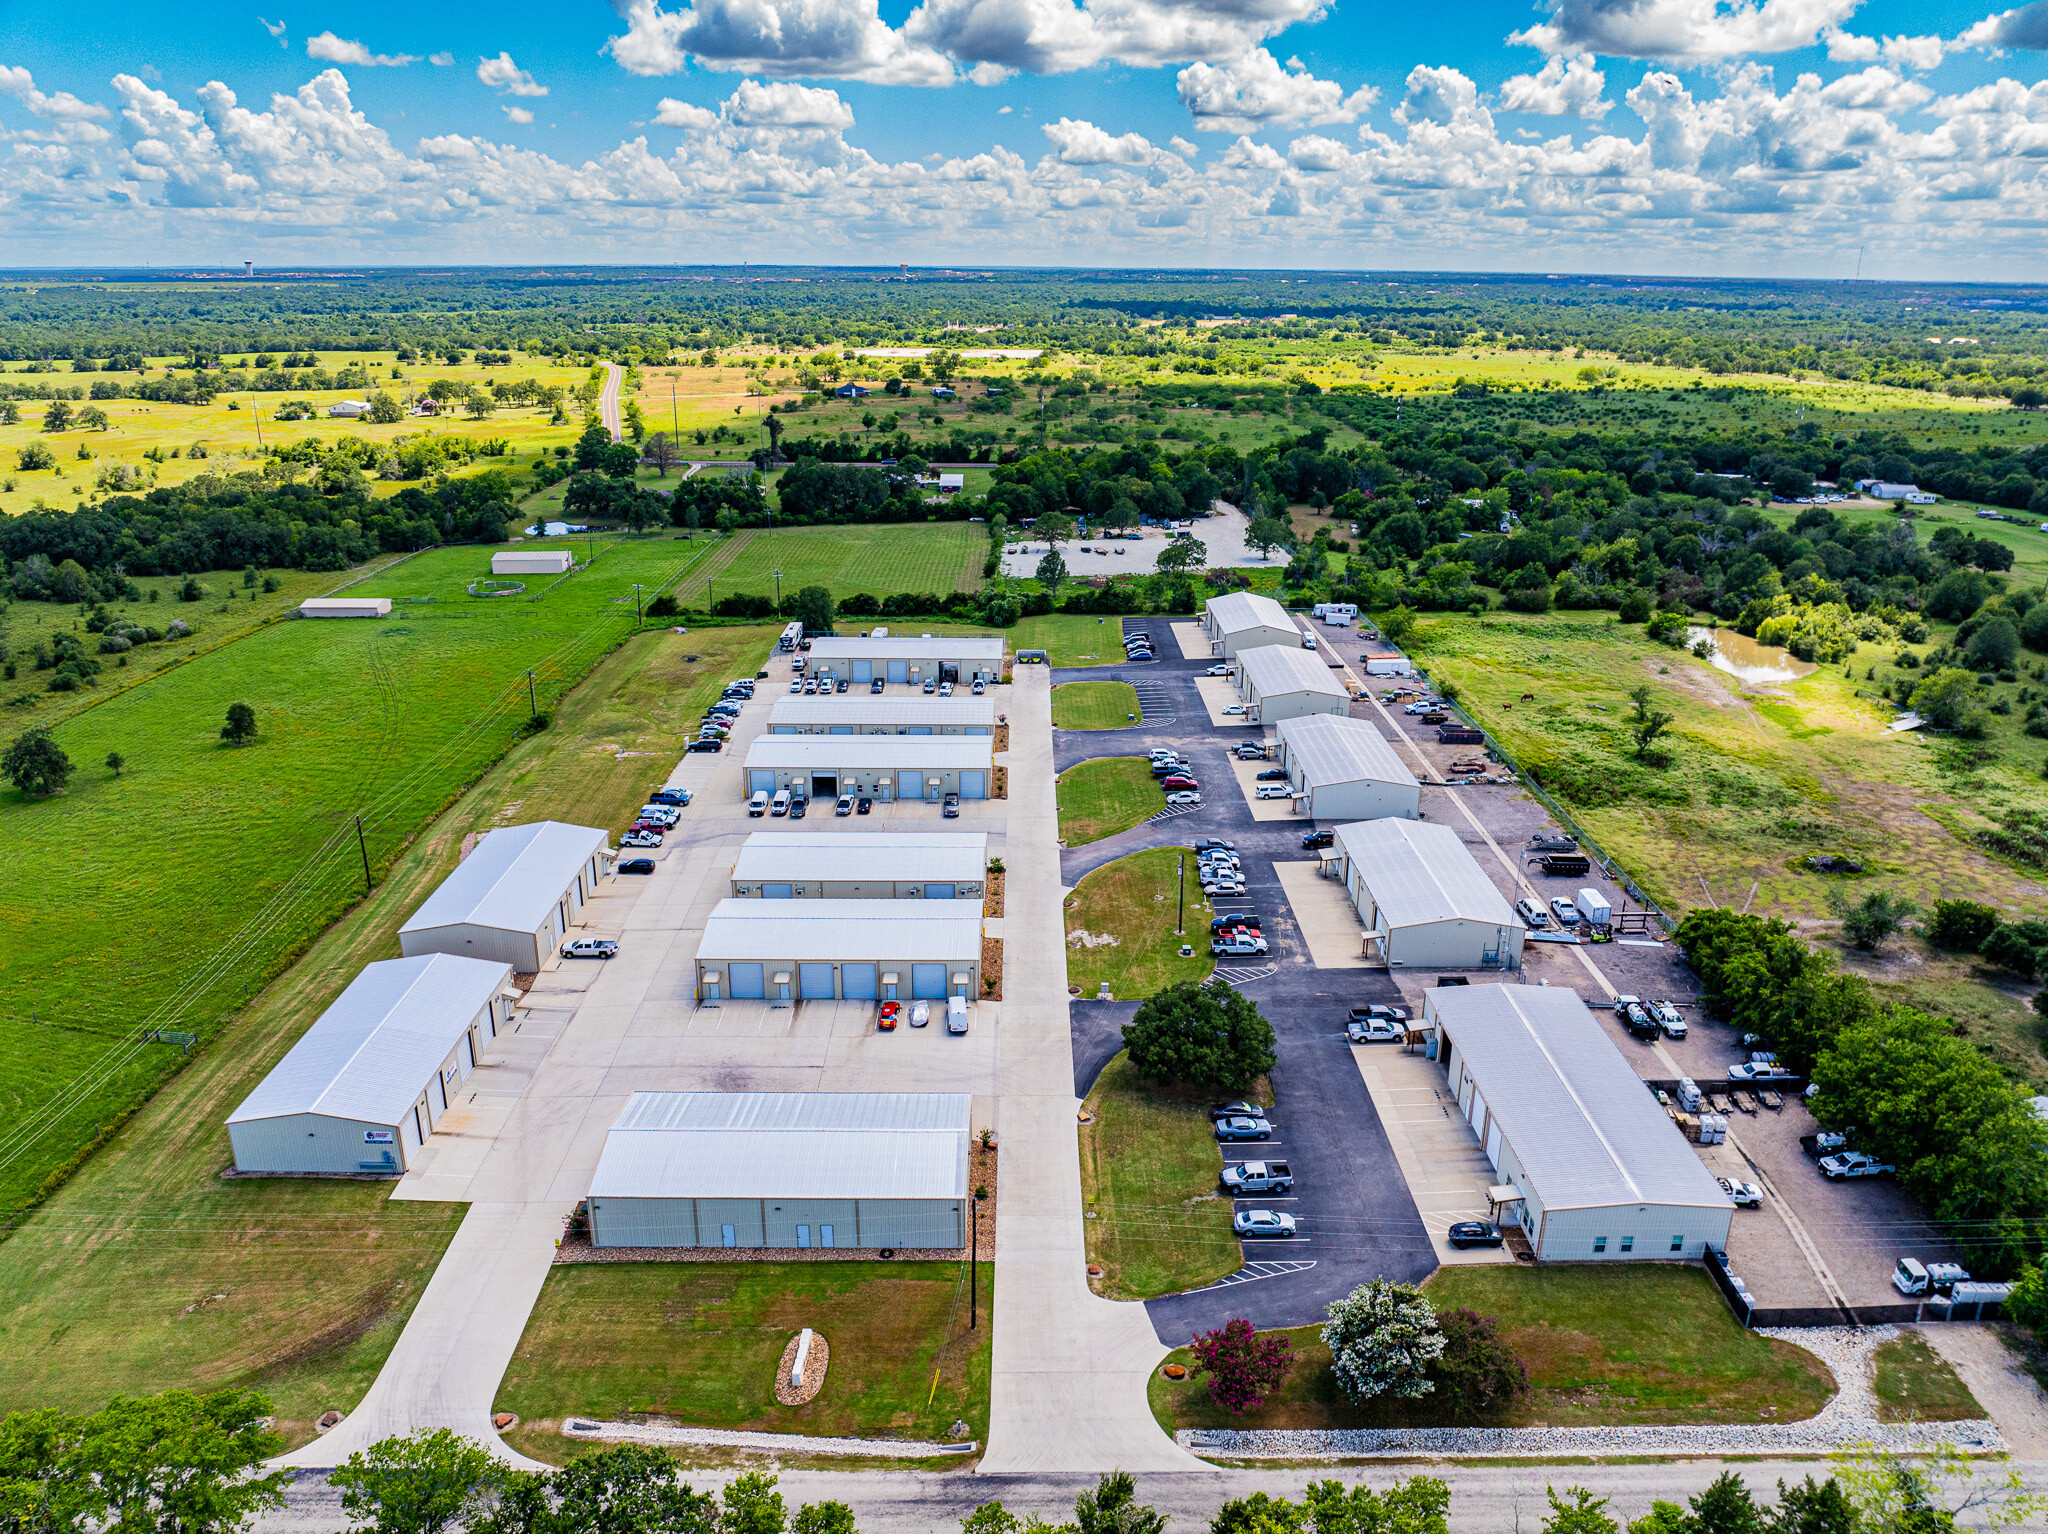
{"type": "Point", "coordinates": [864, 1224]}
{"type": "Point", "coordinates": [522, 950]}
{"type": "Point", "coordinates": [309, 1142]}
{"type": "Point", "coordinates": [1633, 1233]}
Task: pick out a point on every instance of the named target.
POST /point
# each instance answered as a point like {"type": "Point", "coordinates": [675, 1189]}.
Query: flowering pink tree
{"type": "Point", "coordinates": [1243, 1367]}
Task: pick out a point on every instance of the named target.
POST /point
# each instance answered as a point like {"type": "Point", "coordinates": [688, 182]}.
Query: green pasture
{"type": "Point", "coordinates": [164, 897]}
{"type": "Point", "coordinates": [941, 557]}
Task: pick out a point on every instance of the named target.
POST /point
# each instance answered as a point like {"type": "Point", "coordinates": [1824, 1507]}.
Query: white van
{"type": "Point", "coordinates": [1308, 641]}
{"type": "Point", "coordinates": [758, 805]}
{"type": "Point", "coordinates": [956, 1014]}
{"type": "Point", "coordinates": [779, 805]}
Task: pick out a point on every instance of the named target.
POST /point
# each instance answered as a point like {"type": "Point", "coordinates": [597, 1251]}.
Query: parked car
{"type": "Point", "coordinates": [1854, 1164]}
{"type": "Point", "coordinates": [1755, 1072]}
{"type": "Point", "coordinates": [1271, 775]}
{"type": "Point", "coordinates": [660, 814]}
{"type": "Point", "coordinates": [950, 809]}
{"type": "Point", "coordinates": [978, 689]}
{"type": "Point", "coordinates": [1234, 708]}
{"type": "Point", "coordinates": [1237, 944]}
{"type": "Point", "coordinates": [589, 948]}
{"type": "Point", "coordinates": [1243, 1129]}
{"type": "Point", "coordinates": [779, 805]}
{"type": "Point", "coordinates": [641, 839]}
{"type": "Point", "coordinates": [930, 685]}
{"type": "Point", "coordinates": [1912, 1278]}
{"type": "Point", "coordinates": [920, 1013]}
{"type": "Point", "coordinates": [1261, 1224]}
{"type": "Point", "coordinates": [1217, 671]}
{"type": "Point", "coordinates": [1184, 796]}
{"type": "Point", "coordinates": [1534, 917]}
{"type": "Point", "coordinates": [863, 805]}
{"type": "Point", "coordinates": [1178, 780]}
{"type": "Point", "coordinates": [698, 746]}
{"type": "Point", "coordinates": [1567, 914]}
{"type": "Point", "coordinates": [1473, 1233]}
{"type": "Point", "coordinates": [1274, 791]}
{"type": "Point", "coordinates": [797, 806]}
{"type": "Point", "coordinates": [885, 1020]}
{"type": "Point", "coordinates": [1744, 1195]}
{"type": "Point", "coordinates": [669, 796]}
{"type": "Point", "coordinates": [1668, 1019]}
{"type": "Point", "coordinates": [1247, 751]}
{"type": "Point", "coordinates": [1256, 1177]}
{"type": "Point", "coordinates": [945, 689]}
{"type": "Point", "coordinates": [1374, 1030]}
{"type": "Point", "coordinates": [1311, 840]}
{"type": "Point", "coordinates": [1211, 844]}
{"type": "Point", "coordinates": [844, 806]}
{"type": "Point", "coordinates": [637, 866]}
{"type": "Point", "coordinates": [875, 685]}
{"type": "Point", "coordinates": [1235, 919]}
{"type": "Point", "coordinates": [1236, 1110]}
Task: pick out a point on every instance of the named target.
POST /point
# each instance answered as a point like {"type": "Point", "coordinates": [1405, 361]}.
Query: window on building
{"type": "Point", "coordinates": [1678, 1243]}
{"type": "Point", "coordinates": [1628, 1243]}
{"type": "Point", "coordinates": [1599, 1244]}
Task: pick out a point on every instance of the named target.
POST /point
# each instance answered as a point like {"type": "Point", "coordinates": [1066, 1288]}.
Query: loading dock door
{"type": "Point", "coordinates": [824, 785]}
{"type": "Point", "coordinates": [974, 785]}
{"type": "Point", "coordinates": [928, 982]}
{"type": "Point", "coordinates": [748, 981]}
{"type": "Point", "coordinates": [778, 891]}
{"type": "Point", "coordinates": [857, 982]}
{"type": "Point", "coordinates": [863, 671]}
{"type": "Point", "coordinates": [1493, 1144]}
{"type": "Point", "coordinates": [839, 729]}
{"type": "Point", "coordinates": [939, 891]}
{"type": "Point", "coordinates": [759, 779]}
{"type": "Point", "coordinates": [920, 729]}
{"type": "Point", "coordinates": [948, 673]}
{"type": "Point", "coordinates": [899, 670]}
{"type": "Point", "coordinates": [816, 981]}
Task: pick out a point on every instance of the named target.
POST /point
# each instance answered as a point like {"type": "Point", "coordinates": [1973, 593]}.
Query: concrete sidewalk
{"type": "Point", "coordinates": [1070, 1369]}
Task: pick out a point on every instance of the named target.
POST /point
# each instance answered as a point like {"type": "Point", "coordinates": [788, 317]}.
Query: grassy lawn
{"type": "Point", "coordinates": [939, 557]}
{"type": "Point", "coordinates": [699, 1342]}
{"type": "Point", "coordinates": [166, 897]}
{"type": "Point", "coordinates": [1916, 1384]}
{"type": "Point", "coordinates": [1094, 706]}
{"type": "Point", "coordinates": [1127, 909]}
{"type": "Point", "coordinates": [1070, 639]}
{"type": "Point", "coordinates": [1157, 1221]}
{"type": "Point", "coordinates": [1105, 796]}
{"type": "Point", "coordinates": [1603, 1346]}
{"type": "Point", "coordinates": [148, 1271]}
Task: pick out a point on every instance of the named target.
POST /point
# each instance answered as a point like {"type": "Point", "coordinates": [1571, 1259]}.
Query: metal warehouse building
{"type": "Point", "coordinates": [851, 950]}
{"type": "Point", "coordinates": [1599, 1170]}
{"type": "Point", "coordinates": [1244, 620]}
{"type": "Point", "coordinates": [930, 658]}
{"type": "Point", "coordinates": [361, 1089]}
{"type": "Point", "coordinates": [345, 607]}
{"type": "Point", "coordinates": [532, 562]}
{"type": "Point", "coordinates": [797, 1170]}
{"type": "Point", "coordinates": [515, 895]}
{"type": "Point", "coordinates": [862, 865]}
{"type": "Point", "coordinates": [1286, 682]}
{"type": "Point", "coordinates": [1425, 903]}
{"type": "Point", "coordinates": [901, 714]}
{"type": "Point", "coordinates": [1343, 769]}
{"type": "Point", "coordinates": [887, 766]}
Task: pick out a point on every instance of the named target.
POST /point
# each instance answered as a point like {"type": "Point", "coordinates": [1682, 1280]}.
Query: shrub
{"type": "Point", "coordinates": [2015, 948]}
{"type": "Point", "coordinates": [1961, 925]}
{"type": "Point", "coordinates": [1478, 1371]}
{"type": "Point", "coordinates": [1383, 1337]}
{"type": "Point", "coordinates": [1206, 1036]}
{"type": "Point", "coordinates": [1243, 1367]}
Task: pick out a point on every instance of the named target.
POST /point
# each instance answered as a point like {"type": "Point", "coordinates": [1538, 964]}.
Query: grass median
{"type": "Point", "coordinates": [1158, 1222]}
{"type": "Point", "coordinates": [1094, 706]}
{"type": "Point", "coordinates": [1916, 1384]}
{"type": "Point", "coordinates": [698, 1343]}
{"type": "Point", "coordinates": [1641, 1343]}
{"type": "Point", "coordinates": [1120, 926]}
{"type": "Point", "coordinates": [1105, 796]}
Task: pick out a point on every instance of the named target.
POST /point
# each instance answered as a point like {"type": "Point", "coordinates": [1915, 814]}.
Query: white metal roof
{"type": "Point", "coordinates": [867, 709]}
{"type": "Point", "coordinates": [510, 878]}
{"type": "Point", "coordinates": [848, 931]}
{"type": "Point", "coordinates": [373, 1052]}
{"type": "Point", "coordinates": [787, 1145]}
{"type": "Point", "coordinates": [1237, 610]}
{"type": "Point", "coordinates": [1272, 669]}
{"type": "Point", "coordinates": [938, 753]}
{"type": "Point", "coordinates": [1585, 1128]}
{"type": "Point", "coordinates": [1335, 748]}
{"type": "Point", "coordinates": [771, 857]}
{"type": "Point", "coordinates": [900, 647]}
{"type": "Point", "coordinates": [1418, 871]}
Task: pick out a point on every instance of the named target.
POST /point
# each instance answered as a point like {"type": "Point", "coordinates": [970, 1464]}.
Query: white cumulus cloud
{"type": "Point", "coordinates": [1253, 92]}
{"type": "Point", "coordinates": [1078, 142]}
{"type": "Point", "coordinates": [442, 59]}
{"type": "Point", "coordinates": [1683, 31]}
{"type": "Point", "coordinates": [342, 50]}
{"type": "Point", "coordinates": [277, 30]}
{"type": "Point", "coordinates": [1561, 88]}
{"type": "Point", "coordinates": [2025, 26]}
{"type": "Point", "coordinates": [1920, 53]}
{"type": "Point", "coordinates": [838, 39]}
{"type": "Point", "coordinates": [502, 74]}
{"type": "Point", "coordinates": [517, 114]}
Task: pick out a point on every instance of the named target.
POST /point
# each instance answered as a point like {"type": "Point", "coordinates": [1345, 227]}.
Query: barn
{"type": "Point", "coordinates": [1424, 901]}
{"type": "Point", "coordinates": [826, 1171]}
{"type": "Point", "coordinates": [532, 562]}
{"type": "Point", "coordinates": [345, 607]}
{"type": "Point", "coordinates": [514, 898]}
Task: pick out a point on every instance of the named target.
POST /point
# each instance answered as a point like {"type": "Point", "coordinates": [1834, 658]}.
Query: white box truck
{"type": "Point", "coordinates": [1593, 907]}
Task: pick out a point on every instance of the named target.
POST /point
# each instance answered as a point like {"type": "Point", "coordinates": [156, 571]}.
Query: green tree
{"type": "Point", "coordinates": [1383, 1337]}
{"type": "Point", "coordinates": [1398, 623]}
{"type": "Point", "coordinates": [750, 1504]}
{"type": "Point", "coordinates": [181, 1462]}
{"type": "Point", "coordinates": [57, 417]}
{"type": "Point", "coordinates": [1725, 1507]}
{"type": "Point", "coordinates": [115, 762]}
{"type": "Point", "coordinates": [36, 455]}
{"type": "Point", "coordinates": [1961, 925]}
{"type": "Point", "coordinates": [35, 763]}
{"type": "Point", "coordinates": [1052, 572]}
{"type": "Point", "coordinates": [43, 1489]}
{"type": "Point", "coordinates": [1947, 699]}
{"type": "Point", "coordinates": [1266, 534]}
{"type": "Point", "coordinates": [1478, 1372]}
{"type": "Point", "coordinates": [1649, 722]}
{"type": "Point", "coordinates": [385, 409]}
{"type": "Point", "coordinates": [813, 609]}
{"type": "Point", "coordinates": [1055, 527]}
{"type": "Point", "coordinates": [2012, 947]}
{"type": "Point", "coordinates": [1207, 1036]}
{"type": "Point", "coordinates": [423, 1483]}
{"type": "Point", "coordinates": [1872, 921]}
{"type": "Point", "coordinates": [991, 1518]}
{"type": "Point", "coordinates": [1260, 1514]}
{"type": "Point", "coordinates": [1112, 1507]}
{"type": "Point", "coordinates": [1813, 1508]}
{"type": "Point", "coordinates": [1418, 1505]}
{"type": "Point", "coordinates": [825, 1518]}
{"type": "Point", "coordinates": [241, 724]}
{"type": "Point", "coordinates": [92, 418]}
{"type": "Point", "coordinates": [1995, 646]}
{"type": "Point", "coordinates": [1578, 1511]}
{"type": "Point", "coordinates": [1184, 554]}
{"type": "Point", "coordinates": [636, 1489]}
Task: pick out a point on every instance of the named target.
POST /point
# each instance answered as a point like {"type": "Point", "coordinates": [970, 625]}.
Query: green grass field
{"type": "Point", "coordinates": [699, 1342]}
{"type": "Point", "coordinates": [147, 1271]}
{"type": "Point", "coordinates": [167, 896]}
{"type": "Point", "coordinates": [1149, 1163]}
{"type": "Point", "coordinates": [940, 557]}
{"type": "Point", "coordinates": [1126, 910]}
{"type": "Point", "coordinates": [1916, 1384]}
{"type": "Point", "coordinates": [1105, 796]}
{"type": "Point", "coordinates": [1070, 640]}
{"type": "Point", "coordinates": [1094, 706]}
{"type": "Point", "coordinates": [1642, 1343]}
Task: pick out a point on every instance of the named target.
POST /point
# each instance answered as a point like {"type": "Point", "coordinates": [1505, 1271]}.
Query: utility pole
{"type": "Point", "coordinates": [1180, 915]}
{"type": "Point", "coordinates": [364, 848]}
{"type": "Point", "coordinates": [532, 708]}
{"type": "Point", "coordinates": [778, 593]}
{"type": "Point", "coordinates": [675, 429]}
{"type": "Point", "coordinates": [637, 619]}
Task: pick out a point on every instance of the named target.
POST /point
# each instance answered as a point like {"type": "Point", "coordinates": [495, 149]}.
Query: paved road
{"type": "Point", "coordinates": [608, 400]}
{"type": "Point", "coordinates": [1357, 1219]}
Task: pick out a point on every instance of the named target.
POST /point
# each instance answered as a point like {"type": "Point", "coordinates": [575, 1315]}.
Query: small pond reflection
{"type": "Point", "coordinates": [1742, 657]}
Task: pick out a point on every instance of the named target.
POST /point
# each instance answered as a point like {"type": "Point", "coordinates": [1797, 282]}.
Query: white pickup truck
{"type": "Point", "coordinates": [1258, 1177]}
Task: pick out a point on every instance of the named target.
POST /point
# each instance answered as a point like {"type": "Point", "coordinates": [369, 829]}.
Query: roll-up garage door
{"type": "Point", "coordinates": [939, 891]}
{"type": "Point", "coordinates": [747, 980]}
{"type": "Point", "coordinates": [863, 671]}
{"type": "Point", "coordinates": [920, 729]}
{"type": "Point", "coordinates": [928, 981]}
{"type": "Point", "coordinates": [899, 670]}
{"type": "Point", "coordinates": [759, 778]}
{"type": "Point", "coordinates": [1493, 1144]}
{"type": "Point", "coordinates": [857, 982]}
{"type": "Point", "coordinates": [815, 980]}
{"type": "Point", "coordinates": [974, 785]}
{"type": "Point", "coordinates": [778, 891]}
{"type": "Point", "coordinates": [1475, 1111]}
{"type": "Point", "coordinates": [839, 729]}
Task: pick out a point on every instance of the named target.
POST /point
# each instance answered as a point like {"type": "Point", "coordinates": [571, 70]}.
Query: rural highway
{"type": "Point", "coordinates": [608, 401]}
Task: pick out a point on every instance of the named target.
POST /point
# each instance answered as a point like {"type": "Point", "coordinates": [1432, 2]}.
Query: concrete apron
{"type": "Point", "coordinates": [1070, 1369]}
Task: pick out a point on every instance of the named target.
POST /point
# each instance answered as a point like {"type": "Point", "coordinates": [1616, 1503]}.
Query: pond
{"type": "Point", "coordinates": [1743, 658]}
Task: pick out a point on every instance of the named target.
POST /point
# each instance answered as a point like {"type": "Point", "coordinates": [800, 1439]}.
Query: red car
{"type": "Point", "coordinates": [891, 1010]}
{"type": "Point", "coordinates": [1179, 780]}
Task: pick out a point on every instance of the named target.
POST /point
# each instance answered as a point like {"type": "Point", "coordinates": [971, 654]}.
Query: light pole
{"type": "Point", "coordinates": [778, 593]}
{"type": "Point", "coordinates": [1180, 915]}
{"type": "Point", "coordinates": [974, 1263]}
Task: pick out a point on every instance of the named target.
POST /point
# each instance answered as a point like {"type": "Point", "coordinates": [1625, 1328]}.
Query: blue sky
{"type": "Point", "coordinates": [1749, 136]}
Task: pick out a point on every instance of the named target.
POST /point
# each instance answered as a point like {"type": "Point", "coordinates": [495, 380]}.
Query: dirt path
{"type": "Point", "coordinates": [2002, 1387]}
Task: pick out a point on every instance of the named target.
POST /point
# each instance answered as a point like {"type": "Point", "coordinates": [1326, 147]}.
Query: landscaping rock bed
{"type": "Point", "coordinates": [815, 1363]}
{"type": "Point", "coordinates": [992, 898]}
{"type": "Point", "coordinates": [766, 1443]}
{"type": "Point", "coordinates": [991, 969]}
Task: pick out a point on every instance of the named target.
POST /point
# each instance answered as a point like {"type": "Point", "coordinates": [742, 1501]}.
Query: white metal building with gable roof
{"type": "Point", "coordinates": [1424, 901]}
{"type": "Point", "coordinates": [890, 714]}
{"type": "Point", "coordinates": [1244, 620]}
{"type": "Point", "coordinates": [514, 897]}
{"type": "Point", "coordinates": [854, 950]}
{"type": "Point", "coordinates": [1283, 682]}
{"type": "Point", "coordinates": [1602, 1172]}
{"type": "Point", "coordinates": [1343, 769]}
{"type": "Point", "coordinates": [361, 1089]}
{"type": "Point", "coordinates": [925, 658]}
{"type": "Point", "coordinates": [862, 865]}
{"type": "Point", "coordinates": [888, 767]}
{"type": "Point", "coordinates": [824, 1170]}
